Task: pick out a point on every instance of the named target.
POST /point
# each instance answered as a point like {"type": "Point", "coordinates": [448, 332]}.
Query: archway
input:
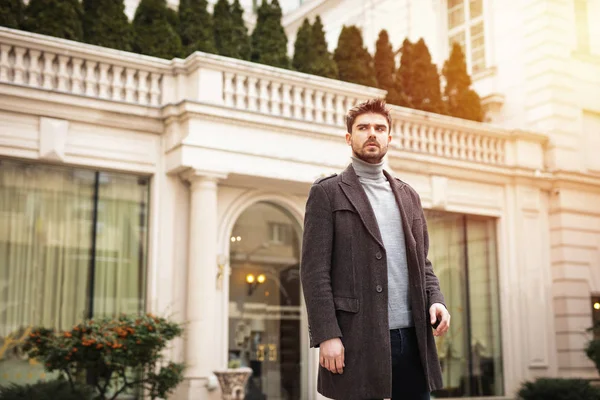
{"type": "Point", "coordinates": [265, 321]}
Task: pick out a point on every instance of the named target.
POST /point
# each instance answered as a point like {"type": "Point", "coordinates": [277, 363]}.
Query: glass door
{"type": "Point", "coordinates": [265, 302]}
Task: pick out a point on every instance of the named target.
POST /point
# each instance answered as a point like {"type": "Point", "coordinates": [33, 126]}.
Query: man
{"type": "Point", "coordinates": [371, 294]}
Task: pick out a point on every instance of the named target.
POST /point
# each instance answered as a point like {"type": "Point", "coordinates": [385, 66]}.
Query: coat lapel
{"type": "Point", "coordinates": [406, 213]}
{"type": "Point", "coordinates": [353, 190]}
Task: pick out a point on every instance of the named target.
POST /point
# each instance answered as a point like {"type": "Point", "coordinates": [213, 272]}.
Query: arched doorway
{"type": "Point", "coordinates": [265, 302]}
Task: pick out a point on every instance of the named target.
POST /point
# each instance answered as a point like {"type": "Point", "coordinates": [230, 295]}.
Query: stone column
{"type": "Point", "coordinates": [201, 343]}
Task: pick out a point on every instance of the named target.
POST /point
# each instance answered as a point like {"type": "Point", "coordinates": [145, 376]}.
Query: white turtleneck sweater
{"type": "Point", "coordinates": [388, 217]}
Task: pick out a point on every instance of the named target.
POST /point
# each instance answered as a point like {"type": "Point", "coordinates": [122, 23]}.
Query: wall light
{"type": "Point", "coordinates": [254, 281]}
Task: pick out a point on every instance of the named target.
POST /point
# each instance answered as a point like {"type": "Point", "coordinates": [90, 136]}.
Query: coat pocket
{"type": "Point", "coordinates": [346, 304]}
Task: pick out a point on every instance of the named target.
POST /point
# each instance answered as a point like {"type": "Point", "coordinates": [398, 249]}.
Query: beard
{"type": "Point", "coordinates": [371, 155]}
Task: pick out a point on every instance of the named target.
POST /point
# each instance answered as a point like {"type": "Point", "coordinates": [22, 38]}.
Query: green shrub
{"type": "Point", "coordinates": [558, 389]}
{"type": "Point", "coordinates": [51, 390]}
{"type": "Point", "coordinates": [105, 24]}
{"type": "Point", "coordinates": [116, 355]}
{"type": "Point", "coordinates": [11, 13]}
{"type": "Point", "coordinates": [593, 352]}
{"type": "Point", "coordinates": [196, 27]}
{"type": "Point", "coordinates": [229, 30]}
{"type": "Point", "coordinates": [59, 18]}
{"type": "Point", "coordinates": [153, 33]}
{"type": "Point", "coordinates": [269, 42]}
{"type": "Point", "coordinates": [354, 63]}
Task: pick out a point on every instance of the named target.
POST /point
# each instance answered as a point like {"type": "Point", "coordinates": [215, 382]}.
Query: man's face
{"type": "Point", "coordinates": [370, 137]}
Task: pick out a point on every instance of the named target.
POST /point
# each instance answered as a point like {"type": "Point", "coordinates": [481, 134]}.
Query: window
{"type": "Point", "coordinates": [466, 27]}
{"type": "Point", "coordinates": [463, 253]}
{"type": "Point", "coordinates": [72, 245]}
{"type": "Point", "coordinates": [280, 233]}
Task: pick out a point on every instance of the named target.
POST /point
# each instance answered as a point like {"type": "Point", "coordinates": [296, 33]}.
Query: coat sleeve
{"type": "Point", "coordinates": [432, 284]}
{"type": "Point", "coordinates": [315, 269]}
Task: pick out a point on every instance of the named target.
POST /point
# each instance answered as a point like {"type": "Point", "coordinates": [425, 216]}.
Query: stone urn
{"type": "Point", "coordinates": [233, 382]}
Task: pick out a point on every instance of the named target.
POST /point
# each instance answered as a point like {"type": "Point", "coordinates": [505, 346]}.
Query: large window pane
{"type": "Point", "coordinates": [447, 254]}
{"type": "Point", "coordinates": [486, 349]}
{"type": "Point", "coordinates": [463, 252]}
{"type": "Point", "coordinates": [475, 8]}
{"type": "Point", "coordinates": [456, 13]}
{"type": "Point", "coordinates": [45, 244]}
{"type": "Point", "coordinates": [466, 27]}
{"type": "Point", "coordinates": [477, 47]}
{"type": "Point", "coordinates": [72, 245]}
{"type": "Point", "coordinates": [120, 244]}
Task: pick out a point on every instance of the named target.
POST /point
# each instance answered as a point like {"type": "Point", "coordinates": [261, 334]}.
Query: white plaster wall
{"type": "Point", "coordinates": [78, 141]}
{"type": "Point", "coordinates": [575, 240]}
{"type": "Point", "coordinates": [401, 19]}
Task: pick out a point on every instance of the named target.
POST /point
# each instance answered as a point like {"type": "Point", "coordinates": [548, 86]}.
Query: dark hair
{"type": "Point", "coordinates": [375, 106]}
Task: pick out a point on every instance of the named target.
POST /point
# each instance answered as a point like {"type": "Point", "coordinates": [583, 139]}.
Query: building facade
{"type": "Point", "coordinates": [130, 183]}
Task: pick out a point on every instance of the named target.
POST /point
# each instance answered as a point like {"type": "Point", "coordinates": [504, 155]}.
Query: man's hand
{"type": "Point", "coordinates": [331, 355]}
{"type": "Point", "coordinates": [438, 311]}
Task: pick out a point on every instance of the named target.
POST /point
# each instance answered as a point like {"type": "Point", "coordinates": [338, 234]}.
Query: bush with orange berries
{"type": "Point", "coordinates": [115, 356]}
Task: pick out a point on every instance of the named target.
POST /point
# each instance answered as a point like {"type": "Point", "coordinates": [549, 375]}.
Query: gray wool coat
{"type": "Point", "coordinates": [344, 280]}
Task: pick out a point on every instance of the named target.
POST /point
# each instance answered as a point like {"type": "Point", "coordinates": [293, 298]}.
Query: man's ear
{"type": "Point", "coordinates": [349, 139]}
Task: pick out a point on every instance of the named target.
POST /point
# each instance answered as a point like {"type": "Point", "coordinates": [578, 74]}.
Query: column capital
{"type": "Point", "coordinates": [194, 175]}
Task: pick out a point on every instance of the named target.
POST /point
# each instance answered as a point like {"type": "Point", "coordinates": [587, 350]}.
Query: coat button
{"type": "Point", "coordinates": [379, 289]}
{"type": "Point", "coordinates": [378, 255]}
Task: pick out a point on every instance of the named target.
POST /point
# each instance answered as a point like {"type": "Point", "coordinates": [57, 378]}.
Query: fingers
{"type": "Point", "coordinates": [334, 364]}
{"type": "Point", "coordinates": [339, 365]}
{"type": "Point", "coordinates": [432, 315]}
{"type": "Point", "coordinates": [444, 324]}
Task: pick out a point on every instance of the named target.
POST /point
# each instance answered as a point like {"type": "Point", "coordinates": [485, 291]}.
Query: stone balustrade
{"type": "Point", "coordinates": [64, 66]}
{"type": "Point", "coordinates": [448, 137]}
{"type": "Point", "coordinates": [290, 98]}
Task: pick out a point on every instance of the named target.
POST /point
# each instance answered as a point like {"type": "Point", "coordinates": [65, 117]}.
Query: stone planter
{"type": "Point", "coordinates": [233, 382]}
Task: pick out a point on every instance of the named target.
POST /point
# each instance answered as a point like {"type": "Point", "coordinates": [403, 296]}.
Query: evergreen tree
{"type": "Point", "coordinates": [269, 42]}
{"type": "Point", "coordinates": [323, 64]}
{"type": "Point", "coordinates": [59, 18]}
{"type": "Point", "coordinates": [304, 54]}
{"type": "Point", "coordinates": [385, 70]}
{"type": "Point", "coordinates": [423, 88]}
{"type": "Point", "coordinates": [461, 100]}
{"type": "Point", "coordinates": [11, 13]}
{"type": "Point", "coordinates": [239, 32]}
{"type": "Point", "coordinates": [196, 27]}
{"type": "Point", "coordinates": [310, 51]}
{"type": "Point", "coordinates": [105, 24]}
{"type": "Point", "coordinates": [222, 28]}
{"type": "Point", "coordinates": [404, 74]}
{"type": "Point", "coordinates": [173, 18]}
{"type": "Point", "coordinates": [153, 35]}
{"type": "Point", "coordinates": [353, 60]}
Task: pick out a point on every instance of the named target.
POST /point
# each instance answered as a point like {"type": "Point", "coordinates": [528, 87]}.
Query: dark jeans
{"type": "Point", "coordinates": [408, 378]}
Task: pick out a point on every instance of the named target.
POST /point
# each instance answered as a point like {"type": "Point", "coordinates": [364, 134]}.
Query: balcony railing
{"type": "Point", "coordinates": [449, 137]}
{"type": "Point", "coordinates": [62, 66]}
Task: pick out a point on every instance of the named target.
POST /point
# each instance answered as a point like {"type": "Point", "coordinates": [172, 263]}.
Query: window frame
{"type": "Point", "coordinates": [465, 28]}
